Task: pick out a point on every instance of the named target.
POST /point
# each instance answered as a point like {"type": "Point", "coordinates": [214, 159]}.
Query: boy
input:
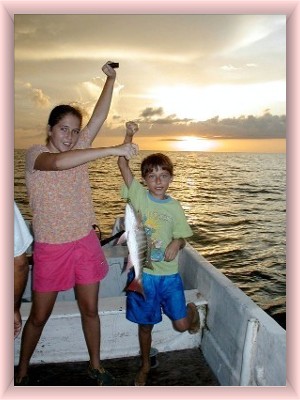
{"type": "Point", "coordinates": [166, 227]}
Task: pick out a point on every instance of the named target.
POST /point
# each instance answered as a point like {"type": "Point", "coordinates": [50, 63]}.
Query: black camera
{"type": "Point", "coordinates": [114, 65]}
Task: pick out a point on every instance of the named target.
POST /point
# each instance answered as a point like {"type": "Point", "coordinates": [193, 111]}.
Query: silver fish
{"type": "Point", "coordinates": [138, 247]}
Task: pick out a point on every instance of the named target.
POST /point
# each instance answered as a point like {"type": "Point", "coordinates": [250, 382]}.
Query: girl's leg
{"type": "Point", "coordinates": [87, 298]}
{"type": "Point", "coordinates": [145, 339]}
{"type": "Point", "coordinates": [42, 306]}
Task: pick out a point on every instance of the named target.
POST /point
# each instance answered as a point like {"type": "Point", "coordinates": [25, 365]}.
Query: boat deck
{"type": "Point", "coordinates": [175, 368]}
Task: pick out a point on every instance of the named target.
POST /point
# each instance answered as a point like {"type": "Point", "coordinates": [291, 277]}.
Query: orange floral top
{"type": "Point", "coordinates": [60, 201]}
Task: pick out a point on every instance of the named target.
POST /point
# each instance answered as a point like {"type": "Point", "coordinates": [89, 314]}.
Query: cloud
{"type": "Point", "coordinates": [231, 72]}
{"type": "Point", "coordinates": [168, 120]}
{"type": "Point", "coordinates": [37, 96]}
{"type": "Point", "coordinates": [229, 68]}
{"type": "Point", "coordinates": [266, 126]}
{"type": "Point", "coordinates": [85, 111]}
{"type": "Point", "coordinates": [150, 112]}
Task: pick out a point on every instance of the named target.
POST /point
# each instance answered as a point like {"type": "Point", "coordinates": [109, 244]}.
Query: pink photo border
{"type": "Point", "coordinates": [7, 11]}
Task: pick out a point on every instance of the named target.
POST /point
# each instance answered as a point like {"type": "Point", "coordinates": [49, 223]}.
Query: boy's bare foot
{"type": "Point", "coordinates": [195, 325]}
{"type": "Point", "coordinates": [141, 377]}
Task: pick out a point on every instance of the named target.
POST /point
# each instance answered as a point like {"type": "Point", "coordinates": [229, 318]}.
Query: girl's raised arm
{"type": "Point", "coordinates": [102, 106]}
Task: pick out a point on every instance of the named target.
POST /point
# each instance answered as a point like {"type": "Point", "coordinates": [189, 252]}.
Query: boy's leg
{"type": "Point", "coordinates": [145, 339]}
{"type": "Point", "coordinates": [184, 317]}
{"type": "Point", "coordinates": [191, 322]}
{"type": "Point", "coordinates": [144, 311]}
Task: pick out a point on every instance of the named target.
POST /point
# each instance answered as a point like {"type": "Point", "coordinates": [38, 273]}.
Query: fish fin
{"type": "Point", "coordinates": [139, 218]}
{"type": "Point", "coordinates": [113, 238]}
{"type": "Point", "coordinates": [122, 238]}
{"type": "Point", "coordinates": [148, 263]}
{"type": "Point", "coordinates": [148, 259]}
{"type": "Point", "coordinates": [127, 265]}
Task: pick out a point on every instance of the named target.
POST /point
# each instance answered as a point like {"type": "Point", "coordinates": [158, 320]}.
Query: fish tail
{"type": "Point", "coordinates": [135, 286]}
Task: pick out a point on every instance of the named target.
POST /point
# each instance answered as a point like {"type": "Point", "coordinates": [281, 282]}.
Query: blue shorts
{"type": "Point", "coordinates": [163, 293]}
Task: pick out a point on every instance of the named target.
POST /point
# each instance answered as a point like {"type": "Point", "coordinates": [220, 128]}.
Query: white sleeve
{"type": "Point", "coordinates": [22, 236]}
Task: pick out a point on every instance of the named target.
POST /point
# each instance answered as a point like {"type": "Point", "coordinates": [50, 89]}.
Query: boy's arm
{"type": "Point", "coordinates": [123, 163]}
{"type": "Point", "coordinates": [180, 234]}
{"type": "Point", "coordinates": [102, 106]}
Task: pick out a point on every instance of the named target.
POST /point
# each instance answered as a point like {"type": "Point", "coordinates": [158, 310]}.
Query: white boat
{"type": "Point", "coordinates": [241, 343]}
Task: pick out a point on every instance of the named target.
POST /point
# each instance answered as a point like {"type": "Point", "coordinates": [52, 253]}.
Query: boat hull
{"type": "Point", "coordinates": [241, 343]}
{"type": "Point", "coordinates": [237, 353]}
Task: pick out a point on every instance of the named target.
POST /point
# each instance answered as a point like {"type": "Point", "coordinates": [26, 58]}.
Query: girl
{"type": "Point", "coordinates": [67, 252]}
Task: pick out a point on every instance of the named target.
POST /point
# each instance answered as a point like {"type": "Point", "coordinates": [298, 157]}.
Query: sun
{"type": "Point", "coordinates": [174, 101]}
{"type": "Point", "coordinates": [200, 103]}
{"type": "Point", "coordinates": [192, 143]}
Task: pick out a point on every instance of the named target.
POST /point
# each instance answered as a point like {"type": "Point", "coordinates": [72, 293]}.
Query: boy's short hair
{"type": "Point", "coordinates": [154, 161]}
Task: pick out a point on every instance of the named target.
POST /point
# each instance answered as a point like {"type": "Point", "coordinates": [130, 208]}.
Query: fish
{"type": "Point", "coordinates": [138, 248]}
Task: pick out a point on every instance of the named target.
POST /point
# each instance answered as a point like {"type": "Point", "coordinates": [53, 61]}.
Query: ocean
{"type": "Point", "coordinates": [235, 204]}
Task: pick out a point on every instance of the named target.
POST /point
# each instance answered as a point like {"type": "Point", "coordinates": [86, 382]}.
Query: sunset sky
{"type": "Point", "coordinates": [192, 82]}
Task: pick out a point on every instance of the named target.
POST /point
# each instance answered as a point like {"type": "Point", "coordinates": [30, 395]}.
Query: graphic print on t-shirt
{"type": "Point", "coordinates": [157, 226]}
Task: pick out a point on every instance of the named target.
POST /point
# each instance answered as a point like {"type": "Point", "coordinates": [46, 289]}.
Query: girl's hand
{"type": "Point", "coordinates": [108, 70]}
{"type": "Point", "coordinates": [127, 150]}
{"type": "Point", "coordinates": [131, 128]}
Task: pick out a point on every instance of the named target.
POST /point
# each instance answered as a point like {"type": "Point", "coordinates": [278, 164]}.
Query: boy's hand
{"type": "Point", "coordinates": [173, 249]}
{"type": "Point", "coordinates": [131, 128]}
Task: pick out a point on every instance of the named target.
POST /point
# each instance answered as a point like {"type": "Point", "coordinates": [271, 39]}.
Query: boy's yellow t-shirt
{"type": "Point", "coordinates": [163, 220]}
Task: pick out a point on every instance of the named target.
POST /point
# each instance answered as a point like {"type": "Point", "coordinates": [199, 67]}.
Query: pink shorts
{"type": "Point", "coordinates": [59, 267]}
